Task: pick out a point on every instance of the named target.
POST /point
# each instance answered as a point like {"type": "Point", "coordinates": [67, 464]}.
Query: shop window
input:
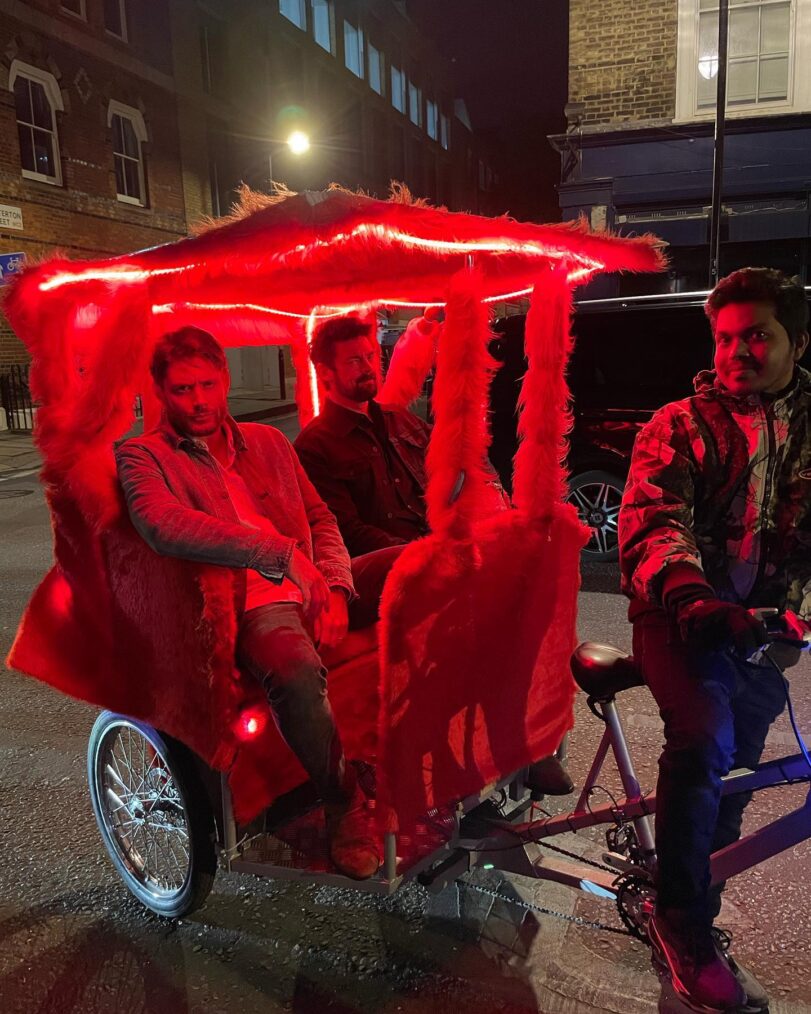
{"type": "Point", "coordinates": [36, 99]}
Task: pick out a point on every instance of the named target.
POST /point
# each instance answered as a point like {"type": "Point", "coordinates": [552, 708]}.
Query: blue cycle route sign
{"type": "Point", "coordinates": [10, 264]}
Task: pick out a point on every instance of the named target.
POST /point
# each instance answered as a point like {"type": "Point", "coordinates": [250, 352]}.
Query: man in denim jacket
{"type": "Point", "coordinates": [203, 488]}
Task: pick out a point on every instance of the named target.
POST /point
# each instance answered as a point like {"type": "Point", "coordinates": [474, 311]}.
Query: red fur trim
{"type": "Point", "coordinates": [411, 360]}
{"type": "Point", "coordinates": [460, 438]}
{"type": "Point", "coordinates": [545, 418]}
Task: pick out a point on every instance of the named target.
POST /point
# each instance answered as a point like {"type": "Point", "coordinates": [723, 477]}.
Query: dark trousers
{"type": "Point", "coordinates": [717, 712]}
{"type": "Point", "coordinates": [275, 645]}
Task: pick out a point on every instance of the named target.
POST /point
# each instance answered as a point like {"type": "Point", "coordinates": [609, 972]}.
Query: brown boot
{"type": "Point", "coordinates": [548, 777]}
{"type": "Point", "coordinates": [353, 845]}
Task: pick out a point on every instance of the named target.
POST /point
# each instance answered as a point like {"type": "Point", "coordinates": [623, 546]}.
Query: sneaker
{"type": "Point", "coordinates": [757, 999]}
{"type": "Point", "coordinates": [548, 777]}
{"type": "Point", "coordinates": [353, 845]}
{"type": "Point", "coordinates": [687, 955]}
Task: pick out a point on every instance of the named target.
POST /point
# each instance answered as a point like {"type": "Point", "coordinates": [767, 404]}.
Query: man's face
{"type": "Point", "coordinates": [194, 394]}
{"type": "Point", "coordinates": [753, 352]}
{"type": "Point", "coordinates": [352, 374]}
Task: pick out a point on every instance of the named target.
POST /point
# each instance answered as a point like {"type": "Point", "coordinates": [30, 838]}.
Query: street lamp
{"type": "Point", "coordinates": [299, 144]}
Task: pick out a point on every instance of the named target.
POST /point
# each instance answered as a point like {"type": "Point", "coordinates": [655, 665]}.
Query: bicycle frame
{"type": "Point", "coordinates": [779, 835]}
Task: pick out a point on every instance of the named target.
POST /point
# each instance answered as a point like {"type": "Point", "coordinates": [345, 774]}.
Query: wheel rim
{"type": "Point", "coordinates": [598, 506]}
{"type": "Point", "coordinates": [143, 811]}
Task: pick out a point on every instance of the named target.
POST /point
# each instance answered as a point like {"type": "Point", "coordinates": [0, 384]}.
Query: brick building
{"type": "Point", "coordinates": [89, 150]}
{"type": "Point", "coordinates": [123, 122]}
{"type": "Point", "coordinates": [638, 152]}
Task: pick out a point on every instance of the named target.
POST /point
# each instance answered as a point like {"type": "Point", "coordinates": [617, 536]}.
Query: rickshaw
{"type": "Point", "coordinates": [467, 678]}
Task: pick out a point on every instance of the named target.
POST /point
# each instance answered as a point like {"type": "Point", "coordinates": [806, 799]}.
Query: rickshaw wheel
{"type": "Point", "coordinates": [153, 813]}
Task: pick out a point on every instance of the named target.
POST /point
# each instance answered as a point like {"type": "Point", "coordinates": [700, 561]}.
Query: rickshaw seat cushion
{"type": "Point", "coordinates": [354, 645]}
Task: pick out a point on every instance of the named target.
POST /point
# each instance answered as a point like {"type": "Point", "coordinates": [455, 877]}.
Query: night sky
{"type": "Point", "coordinates": [510, 62]}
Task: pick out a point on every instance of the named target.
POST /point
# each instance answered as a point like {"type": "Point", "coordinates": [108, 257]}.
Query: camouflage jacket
{"type": "Point", "coordinates": [723, 483]}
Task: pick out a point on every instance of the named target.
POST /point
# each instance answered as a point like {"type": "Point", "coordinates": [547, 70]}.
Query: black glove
{"type": "Point", "coordinates": [711, 625]}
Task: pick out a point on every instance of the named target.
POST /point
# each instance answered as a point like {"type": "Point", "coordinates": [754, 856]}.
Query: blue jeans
{"type": "Point", "coordinates": [717, 711]}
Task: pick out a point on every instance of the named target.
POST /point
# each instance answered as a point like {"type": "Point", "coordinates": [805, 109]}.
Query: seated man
{"type": "Point", "coordinates": [368, 463]}
{"type": "Point", "coordinates": [203, 488]}
{"type": "Point", "coordinates": [716, 519]}
{"type": "Point", "coordinates": [365, 459]}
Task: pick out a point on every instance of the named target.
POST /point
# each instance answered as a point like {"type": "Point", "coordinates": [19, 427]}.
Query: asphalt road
{"type": "Point", "coordinates": [72, 940]}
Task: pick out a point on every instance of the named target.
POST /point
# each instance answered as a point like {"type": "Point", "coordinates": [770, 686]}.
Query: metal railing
{"type": "Point", "coordinates": [15, 398]}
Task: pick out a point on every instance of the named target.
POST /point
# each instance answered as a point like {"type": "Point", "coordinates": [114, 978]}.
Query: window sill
{"type": "Point", "coordinates": [52, 181]}
{"type": "Point", "coordinates": [116, 36]}
{"type": "Point", "coordinates": [743, 112]}
{"type": "Point", "coordinates": [131, 202]}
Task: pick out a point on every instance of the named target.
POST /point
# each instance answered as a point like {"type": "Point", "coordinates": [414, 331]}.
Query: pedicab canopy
{"type": "Point", "coordinates": [471, 680]}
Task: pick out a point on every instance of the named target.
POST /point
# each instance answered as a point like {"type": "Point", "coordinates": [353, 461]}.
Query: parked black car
{"type": "Point", "coordinates": [631, 356]}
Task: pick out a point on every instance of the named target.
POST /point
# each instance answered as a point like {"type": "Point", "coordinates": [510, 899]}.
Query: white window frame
{"type": "Point", "coordinates": [136, 118]}
{"type": "Point", "coordinates": [122, 7]}
{"type": "Point", "coordinates": [399, 94]}
{"type": "Point", "coordinates": [330, 8]}
{"type": "Point", "coordinates": [54, 96]}
{"type": "Point", "coordinates": [80, 16]}
{"type": "Point", "coordinates": [359, 49]}
{"type": "Point", "coordinates": [302, 22]}
{"type": "Point", "coordinates": [380, 61]}
{"type": "Point", "coordinates": [799, 85]}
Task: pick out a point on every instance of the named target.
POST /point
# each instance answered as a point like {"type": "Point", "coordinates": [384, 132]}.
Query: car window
{"type": "Point", "coordinates": [638, 359]}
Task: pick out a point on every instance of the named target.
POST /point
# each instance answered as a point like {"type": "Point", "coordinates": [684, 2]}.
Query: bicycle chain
{"type": "Point", "coordinates": [577, 920]}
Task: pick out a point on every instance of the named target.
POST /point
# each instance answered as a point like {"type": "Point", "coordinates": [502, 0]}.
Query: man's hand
{"type": "Point", "coordinates": [332, 624]}
{"type": "Point", "coordinates": [314, 591]}
{"type": "Point", "coordinates": [712, 625]}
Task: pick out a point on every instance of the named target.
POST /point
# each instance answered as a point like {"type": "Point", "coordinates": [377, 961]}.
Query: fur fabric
{"type": "Point", "coordinates": [411, 360]}
{"type": "Point", "coordinates": [544, 415]}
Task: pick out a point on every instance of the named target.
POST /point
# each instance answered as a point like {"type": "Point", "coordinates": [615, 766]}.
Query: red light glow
{"type": "Point", "coordinates": [251, 723]}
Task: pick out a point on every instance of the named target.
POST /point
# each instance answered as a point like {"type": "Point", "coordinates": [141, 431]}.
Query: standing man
{"type": "Point", "coordinates": [202, 488]}
{"type": "Point", "coordinates": [715, 520]}
{"type": "Point", "coordinates": [368, 463]}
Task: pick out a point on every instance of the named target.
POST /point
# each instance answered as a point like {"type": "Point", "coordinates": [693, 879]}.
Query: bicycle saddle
{"type": "Point", "coordinates": [602, 671]}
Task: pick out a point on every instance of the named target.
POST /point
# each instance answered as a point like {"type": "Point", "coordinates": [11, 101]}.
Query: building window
{"type": "Point", "coordinates": [769, 48]}
{"type": "Point", "coordinates": [414, 104]}
{"type": "Point", "coordinates": [36, 99]}
{"type": "Point", "coordinates": [353, 49]}
{"type": "Point", "coordinates": [324, 24]}
{"type": "Point", "coordinates": [444, 131]}
{"type": "Point", "coordinates": [115, 18]}
{"type": "Point", "coordinates": [431, 125]}
{"type": "Point", "coordinates": [294, 11]}
{"type": "Point", "coordinates": [74, 7]}
{"type": "Point", "coordinates": [398, 89]}
{"type": "Point", "coordinates": [375, 69]}
{"type": "Point", "coordinates": [129, 135]}
{"type": "Point", "coordinates": [212, 54]}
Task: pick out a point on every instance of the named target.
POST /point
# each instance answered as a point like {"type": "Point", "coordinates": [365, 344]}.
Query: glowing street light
{"type": "Point", "coordinates": [298, 142]}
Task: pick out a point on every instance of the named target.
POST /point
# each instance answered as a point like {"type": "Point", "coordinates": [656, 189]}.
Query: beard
{"type": "Point", "coordinates": [363, 389]}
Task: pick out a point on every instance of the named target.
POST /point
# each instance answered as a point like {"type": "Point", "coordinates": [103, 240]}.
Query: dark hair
{"type": "Point", "coordinates": [763, 285]}
{"type": "Point", "coordinates": [185, 343]}
{"type": "Point", "coordinates": [333, 331]}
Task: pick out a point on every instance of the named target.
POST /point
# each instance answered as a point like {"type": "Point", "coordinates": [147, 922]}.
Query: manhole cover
{"type": "Point", "coordinates": [11, 494]}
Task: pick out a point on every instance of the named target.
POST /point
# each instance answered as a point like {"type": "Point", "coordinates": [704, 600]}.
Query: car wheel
{"type": "Point", "coordinates": [597, 496]}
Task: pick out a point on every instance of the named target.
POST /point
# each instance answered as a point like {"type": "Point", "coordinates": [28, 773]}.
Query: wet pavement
{"type": "Point", "coordinates": [72, 939]}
